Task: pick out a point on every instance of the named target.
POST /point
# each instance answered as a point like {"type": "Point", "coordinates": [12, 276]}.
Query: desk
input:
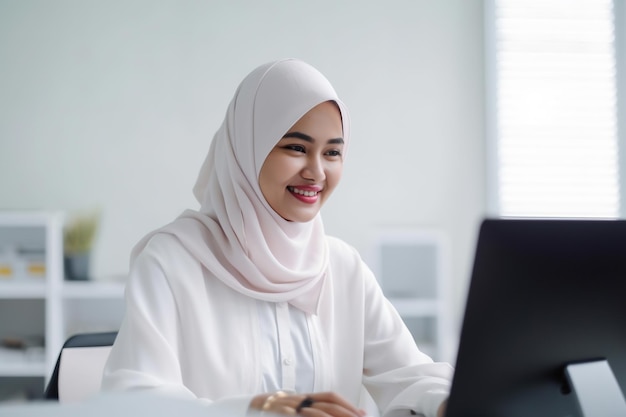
{"type": "Point", "coordinates": [117, 405]}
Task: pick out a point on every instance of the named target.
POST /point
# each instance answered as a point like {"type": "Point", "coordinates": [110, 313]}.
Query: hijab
{"type": "Point", "coordinates": [235, 234]}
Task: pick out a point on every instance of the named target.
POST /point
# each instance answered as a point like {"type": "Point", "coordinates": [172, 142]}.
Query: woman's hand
{"type": "Point", "coordinates": [441, 412]}
{"type": "Point", "coordinates": [321, 404]}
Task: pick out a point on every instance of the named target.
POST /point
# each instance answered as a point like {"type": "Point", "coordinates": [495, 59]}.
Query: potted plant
{"type": "Point", "coordinates": [78, 238]}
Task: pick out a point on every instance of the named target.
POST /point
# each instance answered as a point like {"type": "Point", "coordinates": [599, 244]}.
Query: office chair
{"type": "Point", "coordinates": [78, 370]}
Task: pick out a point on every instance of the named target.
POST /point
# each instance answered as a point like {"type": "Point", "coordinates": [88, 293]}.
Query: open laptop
{"type": "Point", "coordinates": [544, 331]}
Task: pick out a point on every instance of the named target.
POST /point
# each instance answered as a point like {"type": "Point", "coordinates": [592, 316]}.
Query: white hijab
{"type": "Point", "coordinates": [236, 235]}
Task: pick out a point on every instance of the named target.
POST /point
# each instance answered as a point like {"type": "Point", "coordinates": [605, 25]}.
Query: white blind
{"type": "Point", "coordinates": [556, 118]}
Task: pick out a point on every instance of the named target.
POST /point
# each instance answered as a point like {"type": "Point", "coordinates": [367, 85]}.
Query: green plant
{"type": "Point", "coordinates": [79, 233]}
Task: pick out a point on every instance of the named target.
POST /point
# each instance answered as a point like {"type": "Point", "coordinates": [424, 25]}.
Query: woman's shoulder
{"type": "Point", "coordinates": [161, 242]}
{"type": "Point", "coordinates": [343, 255]}
{"type": "Point", "coordinates": [349, 273]}
{"type": "Point", "coordinates": [337, 245]}
{"type": "Point", "coordinates": [163, 254]}
{"type": "Point", "coordinates": [159, 247]}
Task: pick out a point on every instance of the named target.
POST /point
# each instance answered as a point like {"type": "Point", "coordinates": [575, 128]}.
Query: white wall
{"type": "Point", "coordinates": [114, 103]}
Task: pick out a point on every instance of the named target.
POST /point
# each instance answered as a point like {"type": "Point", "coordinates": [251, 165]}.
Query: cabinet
{"type": "Point", "coordinates": [38, 308]}
{"type": "Point", "coordinates": [412, 268]}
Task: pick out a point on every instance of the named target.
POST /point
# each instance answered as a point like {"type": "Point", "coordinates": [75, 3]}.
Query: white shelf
{"type": "Point", "coordinates": [27, 218]}
{"type": "Point", "coordinates": [416, 307]}
{"type": "Point", "coordinates": [21, 289]}
{"type": "Point", "coordinates": [92, 289]}
{"type": "Point", "coordinates": [20, 363]}
{"type": "Point", "coordinates": [412, 265]}
{"type": "Point", "coordinates": [63, 306]}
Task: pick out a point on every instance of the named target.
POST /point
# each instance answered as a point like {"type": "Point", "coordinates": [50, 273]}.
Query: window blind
{"type": "Point", "coordinates": [555, 105]}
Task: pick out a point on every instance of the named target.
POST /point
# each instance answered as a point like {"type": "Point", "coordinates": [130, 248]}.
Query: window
{"type": "Point", "coordinates": [552, 73]}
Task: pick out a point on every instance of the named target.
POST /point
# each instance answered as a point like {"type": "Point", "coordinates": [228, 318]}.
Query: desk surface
{"type": "Point", "coordinates": [115, 405]}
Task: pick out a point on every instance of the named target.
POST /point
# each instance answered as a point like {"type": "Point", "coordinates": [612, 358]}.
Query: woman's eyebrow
{"type": "Point", "coordinates": [303, 136]}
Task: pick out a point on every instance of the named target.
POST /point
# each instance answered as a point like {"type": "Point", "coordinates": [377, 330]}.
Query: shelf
{"type": "Point", "coordinates": [31, 305]}
{"type": "Point", "coordinates": [28, 218]}
{"type": "Point", "coordinates": [415, 307]}
{"type": "Point", "coordinates": [21, 363]}
{"type": "Point", "coordinates": [22, 289]}
{"type": "Point", "coordinates": [92, 289]}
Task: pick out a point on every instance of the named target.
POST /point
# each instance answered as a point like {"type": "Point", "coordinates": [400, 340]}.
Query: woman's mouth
{"type": "Point", "coordinates": [305, 195]}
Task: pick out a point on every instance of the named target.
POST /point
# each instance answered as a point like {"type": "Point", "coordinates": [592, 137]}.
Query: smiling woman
{"type": "Point", "coordinates": [247, 302]}
{"type": "Point", "coordinates": [305, 166]}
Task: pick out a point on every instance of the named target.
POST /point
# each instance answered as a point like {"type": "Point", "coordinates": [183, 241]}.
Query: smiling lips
{"type": "Point", "coordinates": [306, 194]}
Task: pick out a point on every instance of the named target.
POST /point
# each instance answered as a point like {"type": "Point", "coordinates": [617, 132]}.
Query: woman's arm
{"type": "Point", "coordinates": [396, 373]}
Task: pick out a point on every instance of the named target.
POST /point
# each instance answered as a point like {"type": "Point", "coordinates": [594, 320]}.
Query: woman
{"type": "Point", "coordinates": [246, 303]}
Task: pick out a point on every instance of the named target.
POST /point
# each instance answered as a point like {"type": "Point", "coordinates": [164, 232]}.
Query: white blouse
{"type": "Point", "coordinates": [286, 345]}
{"type": "Point", "coordinates": [192, 336]}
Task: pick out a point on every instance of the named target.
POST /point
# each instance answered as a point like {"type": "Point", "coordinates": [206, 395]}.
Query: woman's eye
{"type": "Point", "coordinates": [297, 148]}
{"type": "Point", "coordinates": [334, 152]}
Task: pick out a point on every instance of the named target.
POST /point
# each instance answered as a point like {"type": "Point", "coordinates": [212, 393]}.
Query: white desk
{"type": "Point", "coordinates": [115, 405]}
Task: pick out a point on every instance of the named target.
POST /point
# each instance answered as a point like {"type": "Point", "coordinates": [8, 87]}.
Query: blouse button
{"type": "Point", "coordinates": [287, 361]}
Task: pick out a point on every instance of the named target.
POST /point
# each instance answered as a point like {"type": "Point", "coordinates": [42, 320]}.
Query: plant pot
{"type": "Point", "coordinates": [76, 266]}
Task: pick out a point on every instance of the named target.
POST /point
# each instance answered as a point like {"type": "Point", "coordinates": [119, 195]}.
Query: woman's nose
{"type": "Point", "coordinates": [314, 170]}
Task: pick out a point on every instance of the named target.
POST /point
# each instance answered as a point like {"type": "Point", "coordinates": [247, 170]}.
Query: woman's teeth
{"type": "Point", "coordinates": [302, 192]}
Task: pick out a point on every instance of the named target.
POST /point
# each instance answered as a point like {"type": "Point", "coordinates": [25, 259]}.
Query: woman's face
{"type": "Point", "coordinates": [305, 166]}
